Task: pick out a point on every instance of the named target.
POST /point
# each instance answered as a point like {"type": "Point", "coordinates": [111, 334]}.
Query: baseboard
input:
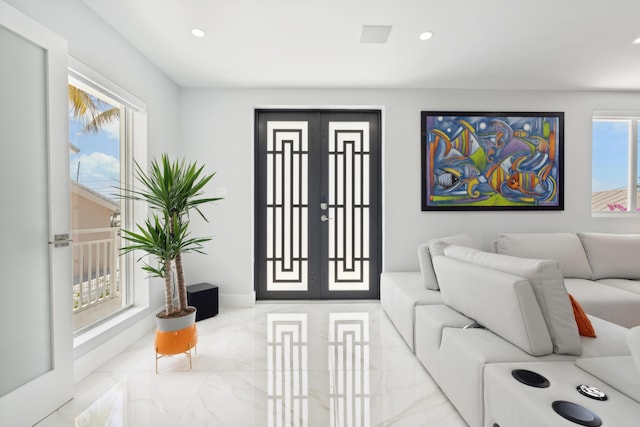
{"type": "Point", "coordinates": [238, 300]}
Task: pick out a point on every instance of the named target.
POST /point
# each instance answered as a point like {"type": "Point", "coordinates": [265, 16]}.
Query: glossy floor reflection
{"type": "Point", "coordinates": [273, 365]}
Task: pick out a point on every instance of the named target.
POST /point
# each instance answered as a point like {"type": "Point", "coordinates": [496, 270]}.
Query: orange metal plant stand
{"type": "Point", "coordinates": [176, 342]}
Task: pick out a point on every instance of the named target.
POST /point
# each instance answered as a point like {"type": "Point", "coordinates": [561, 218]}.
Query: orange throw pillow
{"type": "Point", "coordinates": [585, 328]}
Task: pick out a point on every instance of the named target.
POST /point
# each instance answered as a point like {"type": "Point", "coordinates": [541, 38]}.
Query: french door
{"type": "Point", "coordinates": [317, 201]}
{"type": "Point", "coordinates": [36, 355]}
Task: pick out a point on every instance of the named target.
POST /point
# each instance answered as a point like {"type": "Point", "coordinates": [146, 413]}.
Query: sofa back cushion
{"type": "Point", "coordinates": [435, 247]}
{"type": "Point", "coordinates": [548, 286]}
{"type": "Point", "coordinates": [562, 247]}
{"type": "Point", "coordinates": [612, 255]}
{"type": "Point", "coordinates": [503, 303]}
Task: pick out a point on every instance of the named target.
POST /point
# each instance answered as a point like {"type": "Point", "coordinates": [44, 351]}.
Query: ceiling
{"type": "Point", "coordinates": [478, 44]}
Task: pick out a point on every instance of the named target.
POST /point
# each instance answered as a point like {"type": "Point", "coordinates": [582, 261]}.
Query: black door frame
{"type": "Point", "coordinates": [318, 182]}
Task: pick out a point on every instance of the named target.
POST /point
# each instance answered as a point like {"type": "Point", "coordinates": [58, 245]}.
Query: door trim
{"type": "Point", "coordinates": [379, 210]}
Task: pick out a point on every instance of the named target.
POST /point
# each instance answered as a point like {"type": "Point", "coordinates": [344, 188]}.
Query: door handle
{"type": "Point", "coordinates": [325, 218]}
{"type": "Point", "coordinates": [60, 240]}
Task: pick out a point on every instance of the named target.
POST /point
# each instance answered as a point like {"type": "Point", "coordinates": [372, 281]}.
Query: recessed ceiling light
{"type": "Point", "coordinates": [197, 32]}
{"type": "Point", "coordinates": [637, 41]}
{"type": "Point", "coordinates": [426, 35]}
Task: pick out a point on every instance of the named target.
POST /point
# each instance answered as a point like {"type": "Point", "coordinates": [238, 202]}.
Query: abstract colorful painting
{"type": "Point", "coordinates": [492, 161]}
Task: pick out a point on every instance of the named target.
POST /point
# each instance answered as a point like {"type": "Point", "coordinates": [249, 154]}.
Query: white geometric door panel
{"type": "Point", "coordinates": [318, 216]}
{"type": "Point", "coordinates": [287, 206]}
{"type": "Point", "coordinates": [349, 206]}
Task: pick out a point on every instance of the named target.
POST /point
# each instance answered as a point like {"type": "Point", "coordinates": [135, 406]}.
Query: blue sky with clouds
{"type": "Point", "coordinates": [610, 151]}
{"type": "Point", "coordinates": [97, 164]}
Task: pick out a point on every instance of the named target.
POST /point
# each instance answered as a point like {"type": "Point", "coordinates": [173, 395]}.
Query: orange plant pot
{"type": "Point", "coordinates": [176, 342]}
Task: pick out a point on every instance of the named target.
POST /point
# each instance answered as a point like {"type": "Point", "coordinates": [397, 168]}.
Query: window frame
{"type": "Point", "coordinates": [133, 145]}
{"type": "Point", "coordinates": [632, 118]}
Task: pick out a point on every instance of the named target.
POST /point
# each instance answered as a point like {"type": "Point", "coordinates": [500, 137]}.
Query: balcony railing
{"type": "Point", "coordinates": [96, 267]}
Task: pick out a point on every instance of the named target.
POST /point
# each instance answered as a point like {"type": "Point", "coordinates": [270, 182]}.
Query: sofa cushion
{"type": "Point", "coordinates": [633, 339]}
{"type": "Point", "coordinates": [628, 285]}
{"type": "Point", "coordinates": [400, 293]}
{"type": "Point", "coordinates": [606, 302]}
{"type": "Point", "coordinates": [562, 247]}
{"type": "Point", "coordinates": [548, 285]}
{"type": "Point", "coordinates": [612, 340]}
{"type": "Point", "coordinates": [612, 255]}
{"type": "Point", "coordinates": [431, 320]}
{"type": "Point", "coordinates": [501, 302]}
{"type": "Point", "coordinates": [435, 247]}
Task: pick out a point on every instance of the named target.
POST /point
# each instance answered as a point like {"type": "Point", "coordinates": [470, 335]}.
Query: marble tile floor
{"type": "Point", "coordinates": [275, 364]}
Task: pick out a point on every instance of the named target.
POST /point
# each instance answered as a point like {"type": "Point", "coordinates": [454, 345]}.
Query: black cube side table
{"type": "Point", "coordinates": [204, 297]}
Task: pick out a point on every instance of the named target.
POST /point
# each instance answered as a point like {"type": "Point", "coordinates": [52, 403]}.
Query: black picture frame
{"type": "Point", "coordinates": [492, 161]}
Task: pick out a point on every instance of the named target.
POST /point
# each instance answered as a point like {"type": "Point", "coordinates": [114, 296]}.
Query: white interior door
{"type": "Point", "coordinates": [36, 355]}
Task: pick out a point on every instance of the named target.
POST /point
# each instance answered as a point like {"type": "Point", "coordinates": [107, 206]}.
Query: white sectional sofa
{"type": "Point", "coordinates": [601, 271]}
{"type": "Point", "coordinates": [519, 298]}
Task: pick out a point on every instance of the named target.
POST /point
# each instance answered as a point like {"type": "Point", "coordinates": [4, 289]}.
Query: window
{"type": "Point", "coordinates": [615, 177]}
{"type": "Point", "coordinates": [101, 146]}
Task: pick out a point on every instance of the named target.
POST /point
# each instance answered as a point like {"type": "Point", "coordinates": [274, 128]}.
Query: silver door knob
{"type": "Point", "coordinates": [325, 218]}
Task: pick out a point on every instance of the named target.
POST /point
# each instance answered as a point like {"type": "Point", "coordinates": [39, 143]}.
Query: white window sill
{"type": "Point", "coordinates": [613, 214]}
{"type": "Point", "coordinates": [104, 327]}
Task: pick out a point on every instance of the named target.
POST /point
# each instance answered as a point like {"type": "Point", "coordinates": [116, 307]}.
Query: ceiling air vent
{"type": "Point", "coordinates": [375, 33]}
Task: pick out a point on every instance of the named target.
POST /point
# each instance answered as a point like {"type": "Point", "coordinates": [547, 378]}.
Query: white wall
{"type": "Point", "coordinates": [217, 129]}
{"type": "Point", "coordinates": [95, 44]}
{"type": "Point", "coordinates": [100, 47]}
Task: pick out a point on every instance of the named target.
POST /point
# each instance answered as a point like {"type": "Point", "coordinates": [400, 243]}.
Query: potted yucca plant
{"type": "Point", "coordinates": [172, 189]}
